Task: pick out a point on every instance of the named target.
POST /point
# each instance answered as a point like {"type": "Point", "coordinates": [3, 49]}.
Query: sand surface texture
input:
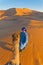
{"type": "Point", "coordinates": [11, 21]}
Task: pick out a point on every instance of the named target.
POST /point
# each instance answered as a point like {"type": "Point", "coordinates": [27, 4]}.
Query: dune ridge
{"type": "Point", "coordinates": [12, 12]}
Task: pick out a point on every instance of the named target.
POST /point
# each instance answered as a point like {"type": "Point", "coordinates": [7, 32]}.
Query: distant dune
{"type": "Point", "coordinates": [12, 12]}
{"type": "Point", "coordinates": [12, 20]}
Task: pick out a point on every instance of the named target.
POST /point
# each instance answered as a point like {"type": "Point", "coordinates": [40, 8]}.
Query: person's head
{"type": "Point", "coordinates": [24, 29]}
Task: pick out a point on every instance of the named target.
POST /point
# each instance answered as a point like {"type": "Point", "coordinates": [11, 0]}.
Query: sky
{"type": "Point", "coordinates": [31, 4]}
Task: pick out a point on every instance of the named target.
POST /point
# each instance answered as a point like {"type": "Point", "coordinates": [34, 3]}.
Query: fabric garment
{"type": "Point", "coordinates": [23, 40]}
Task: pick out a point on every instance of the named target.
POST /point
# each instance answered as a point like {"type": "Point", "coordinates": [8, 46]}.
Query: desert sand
{"type": "Point", "coordinates": [12, 21]}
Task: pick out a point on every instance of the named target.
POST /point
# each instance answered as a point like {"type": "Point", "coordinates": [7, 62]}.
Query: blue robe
{"type": "Point", "coordinates": [23, 40]}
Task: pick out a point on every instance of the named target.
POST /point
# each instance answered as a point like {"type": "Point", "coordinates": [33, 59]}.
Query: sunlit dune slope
{"type": "Point", "coordinates": [33, 53]}
{"type": "Point", "coordinates": [2, 12]}
{"type": "Point", "coordinates": [24, 11]}
{"type": "Point", "coordinates": [36, 23]}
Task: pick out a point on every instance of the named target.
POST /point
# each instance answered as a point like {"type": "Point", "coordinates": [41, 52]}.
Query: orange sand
{"type": "Point", "coordinates": [1, 12]}
{"type": "Point", "coordinates": [33, 53]}
{"type": "Point", "coordinates": [24, 11]}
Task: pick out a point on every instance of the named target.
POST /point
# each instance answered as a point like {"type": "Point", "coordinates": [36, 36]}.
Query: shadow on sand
{"type": "Point", "coordinates": [4, 46]}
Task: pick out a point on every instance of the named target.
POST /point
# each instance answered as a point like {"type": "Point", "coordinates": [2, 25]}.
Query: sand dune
{"type": "Point", "coordinates": [29, 14]}
{"type": "Point", "coordinates": [33, 21]}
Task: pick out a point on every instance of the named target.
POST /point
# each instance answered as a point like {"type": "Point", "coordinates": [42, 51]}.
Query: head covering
{"type": "Point", "coordinates": [23, 29]}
